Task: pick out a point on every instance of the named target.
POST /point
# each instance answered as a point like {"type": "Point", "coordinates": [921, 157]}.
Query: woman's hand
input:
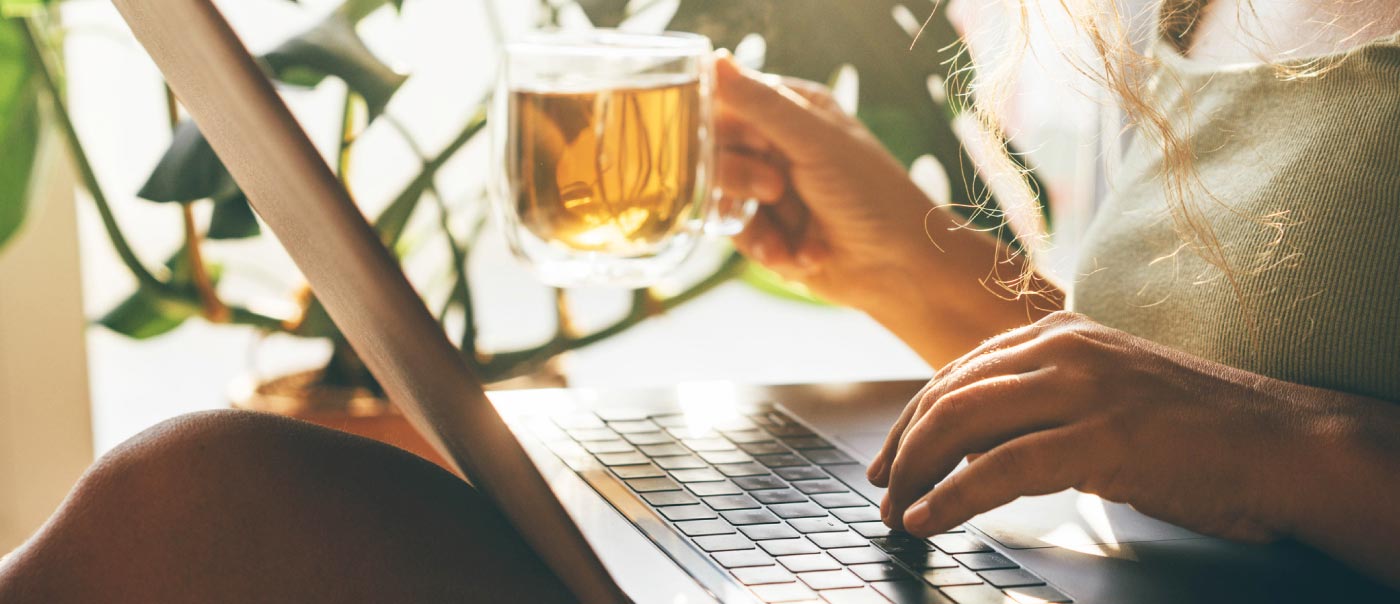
{"type": "Point", "coordinates": [1070, 403]}
{"type": "Point", "coordinates": [841, 216]}
{"type": "Point", "coordinates": [839, 213]}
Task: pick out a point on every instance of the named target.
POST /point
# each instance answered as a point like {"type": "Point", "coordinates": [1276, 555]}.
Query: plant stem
{"type": "Point", "coordinates": [347, 138]}
{"type": "Point", "coordinates": [211, 307]}
{"type": "Point", "coordinates": [391, 222]}
{"type": "Point", "coordinates": [644, 305]}
{"type": "Point", "coordinates": [144, 277]}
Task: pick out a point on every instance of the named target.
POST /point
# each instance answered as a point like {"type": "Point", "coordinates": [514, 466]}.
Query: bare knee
{"type": "Point", "coordinates": [239, 503]}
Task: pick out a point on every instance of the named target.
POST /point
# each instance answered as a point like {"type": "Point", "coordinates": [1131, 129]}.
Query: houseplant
{"type": "Point", "coordinates": [893, 98]}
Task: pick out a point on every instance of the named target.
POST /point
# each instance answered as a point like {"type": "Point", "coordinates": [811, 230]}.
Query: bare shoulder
{"type": "Point", "coordinates": [1237, 31]}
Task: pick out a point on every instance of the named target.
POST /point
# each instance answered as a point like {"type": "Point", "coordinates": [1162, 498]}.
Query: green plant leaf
{"type": "Point", "coordinates": [604, 13]}
{"type": "Point", "coordinates": [769, 282]}
{"type": "Point", "coordinates": [332, 48]}
{"type": "Point", "coordinates": [20, 127]}
{"type": "Point", "coordinates": [189, 170]}
{"type": "Point", "coordinates": [233, 218]}
{"type": "Point", "coordinates": [147, 314]}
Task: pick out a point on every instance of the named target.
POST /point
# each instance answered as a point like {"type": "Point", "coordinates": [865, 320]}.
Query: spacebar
{"type": "Point", "coordinates": [853, 474]}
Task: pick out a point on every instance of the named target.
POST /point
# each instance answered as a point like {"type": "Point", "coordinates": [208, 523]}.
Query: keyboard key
{"type": "Point", "coordinates": [744, 437]}
{"type": "Point", "coordinates": [697, 475]}
{"type": "Point", "coordinates": [723, 543]}
{"type": "Point", "coordinates": [831, 579]}
{"type": "Point", "coordinates": [798, 510]}
{"type": "Point", "coordinates": [813, 487]}
{"type": "Point", "coordinates": [848, 515]}
{"type": "Point", "coordinates": [687, 512]}
{"type": "Point", "coordinates": [789, 430]}
{"type": "Point", "coordinates": [827, 457]}
{"type": "Point", "coordinates": [789, 547]}
{"type": "Point", "coordinates": [807, 442]}
{"type": "Point", "coordinates": [858, 595]}
{"type": "Point", "coordinates": [835, 540]}
{"type": "Point", "coordinates": [733, 423]}
{"type": "Point", "coordinates": [732, 502]}
{"type": "Point", "coordinates": [642, 471]}
{"type": "Point", "coordinates": [648, 438]}
{"type": "Point", "coordinates": [817, 525]}
{"type": "Point", "coordinates": [670, 449]}
{"type": "Point", "coordinates": [741, 469]}
{"type": "Point", "coordinates": [808, 562]}
{"type": "Point", "coordinates": [760, 483]}
{"type": "Point", "coordinates": [723, 457]}
{"type": "Point", "coordinates": [670, 420]}
{"type": "Point", "coordinates": [685, 432]}
{"type": "Point", "coordinates": [959, 544]}
{"type": "Point", "coordinates": [652, 485]}
{"type": "Point", "coordinates": [708, 444]}
{"type": "Point", "coordinates": [762, 575]}
{"type": "Point", "coordinates": [926, 560]}
{"type": "Point", "coordinates": [899, 541]}
{"type": "Point", "coordinates": [701, 528]}
{"type": "Point", "coordinates": [709, 489]}
{"type": "Point", "coordinates": [943, 577]}
{"type": "Point", "coordinates": [879, 571]}
{"type": "Point", "coordinates": [763, 448]}
{"type": "Point", "coordinates": [803, 473]}
{"type": "Point", "coordinates": [977, 594]}
{"type": "Point", "coordinates": [628, 427]}
{"type": "Point", "coordinates": [781, 460]}
{"type": "Point", "coordinates": [910, 591]}
{"type": "Point", "coordinates": [985, 561]}
{"type": "Point", "coordinates": [871, 529]}
{"type": "Point", "coordinates": [578, 420]}
{"type": "Point", "coordinates": [680, 462]}
{"type": "Point", "coordinates": [620, 414]}
{"type": "Point", "coordinates": [1037, 594]}
{"type": "Point", "coordinates": [747, 517]}
{"type": "Point", "coordinates": [670, 498]}
{"type": "Point", "coordinates": [742, 558]}
{"type": "Point", "coordinates": [779, 496]}
{"type": "Point", "coordinates": [840, 500]}
{"type": "Point", "coordinates": [764, 532]}
{"type": "Point", "coordinates": [608, 446]}
{"type": "Point", "coordinates": [592, 434]}
{"type": "Point", "coordinates": [859, 555]}
{"type": "Point", "coordinates": [621, 459]}
{"type": "Point", "coordinates": [1011, 577]}
{"type": "Point", "coordinates": [788, 592]}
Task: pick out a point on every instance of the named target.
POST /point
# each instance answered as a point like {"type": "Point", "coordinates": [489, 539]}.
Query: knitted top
{"type": "Point", "coordinates": [1317, 303]}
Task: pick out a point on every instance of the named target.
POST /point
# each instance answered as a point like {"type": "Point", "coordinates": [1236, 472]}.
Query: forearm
{"type": "Point", "coordinates": [1349, 511]}
{"type": "Point", "coordinates": [951, 292]}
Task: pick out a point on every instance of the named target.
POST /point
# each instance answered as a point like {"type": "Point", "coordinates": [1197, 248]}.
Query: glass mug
{"type": "Point", "coordinates": [604, 157]}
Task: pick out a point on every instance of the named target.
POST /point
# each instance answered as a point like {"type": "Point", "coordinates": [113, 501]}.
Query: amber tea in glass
{"type": "Point", "coordinates": [605, 157]}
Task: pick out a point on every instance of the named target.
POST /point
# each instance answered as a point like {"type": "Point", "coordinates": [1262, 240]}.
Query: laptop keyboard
{"type": "Point", "coordinates": [782, 511]}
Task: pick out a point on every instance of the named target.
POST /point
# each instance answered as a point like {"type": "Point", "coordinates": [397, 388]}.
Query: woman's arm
{"type": "Point", "coordinates": [842, 216]}
{"type": "Point", "coordinates": [1070, 403]}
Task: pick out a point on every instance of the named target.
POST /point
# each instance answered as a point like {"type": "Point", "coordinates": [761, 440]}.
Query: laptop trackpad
{"type": "Point", "coordinates": [1072, 520]}
{"type": "Point", "coordinates": [1068, 519]}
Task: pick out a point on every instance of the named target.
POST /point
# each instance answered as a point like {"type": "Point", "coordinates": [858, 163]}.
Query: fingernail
{"type": "Point", "coordinates": [873, 472]}
{"type": "Point", "coordinates": [806, 260]}
{"type": "Point", "coordinates": [916, 517]}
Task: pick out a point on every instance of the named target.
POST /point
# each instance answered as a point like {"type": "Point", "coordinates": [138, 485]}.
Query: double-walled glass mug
{"type": "Point", "coordinates": [604, 158]}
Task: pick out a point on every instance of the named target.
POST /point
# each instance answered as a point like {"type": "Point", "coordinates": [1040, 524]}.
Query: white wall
{"type": "Point", "coordinates": [45, 431]}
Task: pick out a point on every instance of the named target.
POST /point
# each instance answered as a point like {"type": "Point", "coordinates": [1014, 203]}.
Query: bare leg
{"type": "Point", "coordinates": [241, 507]}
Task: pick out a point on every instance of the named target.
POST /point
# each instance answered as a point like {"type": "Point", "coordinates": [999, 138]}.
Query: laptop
{"type": "Point", "coordinates": [704, 492]}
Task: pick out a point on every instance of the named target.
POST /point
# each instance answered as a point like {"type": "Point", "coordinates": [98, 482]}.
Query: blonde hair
{"type": "Point", "coordinates": [1130, 76]}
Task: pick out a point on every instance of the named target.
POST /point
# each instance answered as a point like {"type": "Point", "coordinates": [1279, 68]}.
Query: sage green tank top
{"type": "Point", "coordinates": [1318, 305]}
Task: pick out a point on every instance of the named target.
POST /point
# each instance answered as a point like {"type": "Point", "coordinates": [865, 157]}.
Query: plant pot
{"type": "Point", "coordinates": [356, 410]}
